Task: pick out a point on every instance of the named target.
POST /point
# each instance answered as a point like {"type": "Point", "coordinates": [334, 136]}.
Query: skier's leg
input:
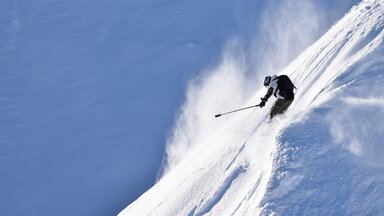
{"type": "Point", "coordinates": [280, 107]}
{"type": "Point", "coordinates": [276, 108]}
{"type": "Point", "coordinates": [286, 105]}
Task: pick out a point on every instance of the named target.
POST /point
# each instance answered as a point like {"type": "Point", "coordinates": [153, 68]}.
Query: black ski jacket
{"type": "Point", "coordinates": [281, 87]}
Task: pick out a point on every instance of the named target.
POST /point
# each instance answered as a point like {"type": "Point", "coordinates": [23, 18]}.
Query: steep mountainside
{"type": "Point", "coordinates": [324, 157]}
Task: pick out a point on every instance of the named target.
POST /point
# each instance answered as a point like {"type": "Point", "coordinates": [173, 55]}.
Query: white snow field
{"type": "Point", "coordinates": [323, 157]}
{"type": "Point", "coordinates": [89, 89]}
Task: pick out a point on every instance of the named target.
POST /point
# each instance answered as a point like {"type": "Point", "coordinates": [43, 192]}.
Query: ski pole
{"type": "Point", "coordinates": [218, 115]}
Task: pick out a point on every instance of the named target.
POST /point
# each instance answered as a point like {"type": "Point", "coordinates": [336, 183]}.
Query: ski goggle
{"type": "Point", "coordinates": [267, 81]}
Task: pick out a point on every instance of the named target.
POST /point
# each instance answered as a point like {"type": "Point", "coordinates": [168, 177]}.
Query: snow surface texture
{"type": "Point", "coordinates": [89, 89]}
{"type": "Point", "coordinates": [324, 157]}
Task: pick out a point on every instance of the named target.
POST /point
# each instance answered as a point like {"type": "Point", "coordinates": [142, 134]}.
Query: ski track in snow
{"type": "Point", "coordinates": [325, 162]}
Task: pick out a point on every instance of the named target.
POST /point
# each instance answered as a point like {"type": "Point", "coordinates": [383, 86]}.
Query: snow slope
{"type": "Point", "coordinates": [324, 157]}
{"type": "Point", "coordinates": [89, 89]}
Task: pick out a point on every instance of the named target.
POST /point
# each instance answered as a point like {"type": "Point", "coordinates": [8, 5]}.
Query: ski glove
{"type": "Point", "coordinates": [262, 103]}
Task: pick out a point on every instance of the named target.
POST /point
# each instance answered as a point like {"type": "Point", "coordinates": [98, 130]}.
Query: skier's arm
{"type": "Point", "coordinates": [269, 93]}
{"type": "Point", "coordinates": [265, 98]}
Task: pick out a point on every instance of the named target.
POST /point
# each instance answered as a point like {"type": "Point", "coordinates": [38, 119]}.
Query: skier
{"type": "Point", "coordinates": [282, 88]}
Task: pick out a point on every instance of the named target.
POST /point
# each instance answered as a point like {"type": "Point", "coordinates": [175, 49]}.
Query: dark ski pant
{"type": "Point", "coordinates": [280, 106]}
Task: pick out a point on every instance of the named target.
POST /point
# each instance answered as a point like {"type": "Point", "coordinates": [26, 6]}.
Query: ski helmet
{"type": "Point", "coordinates": [268, 80]}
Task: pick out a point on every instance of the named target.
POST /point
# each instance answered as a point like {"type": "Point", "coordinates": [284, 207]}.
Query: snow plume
{"type": "Point", "coordinates": [287, 28]}
{"type": "Point", "coordinates": [284, 32]}
{"type": "Point", "coordinates": [219, 89]}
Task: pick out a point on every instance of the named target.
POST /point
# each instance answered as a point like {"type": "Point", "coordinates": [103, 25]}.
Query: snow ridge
{"type": "Point", "coordinates": [328, 163]}
{"type": "Point", "coordinates": [321, 158]}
